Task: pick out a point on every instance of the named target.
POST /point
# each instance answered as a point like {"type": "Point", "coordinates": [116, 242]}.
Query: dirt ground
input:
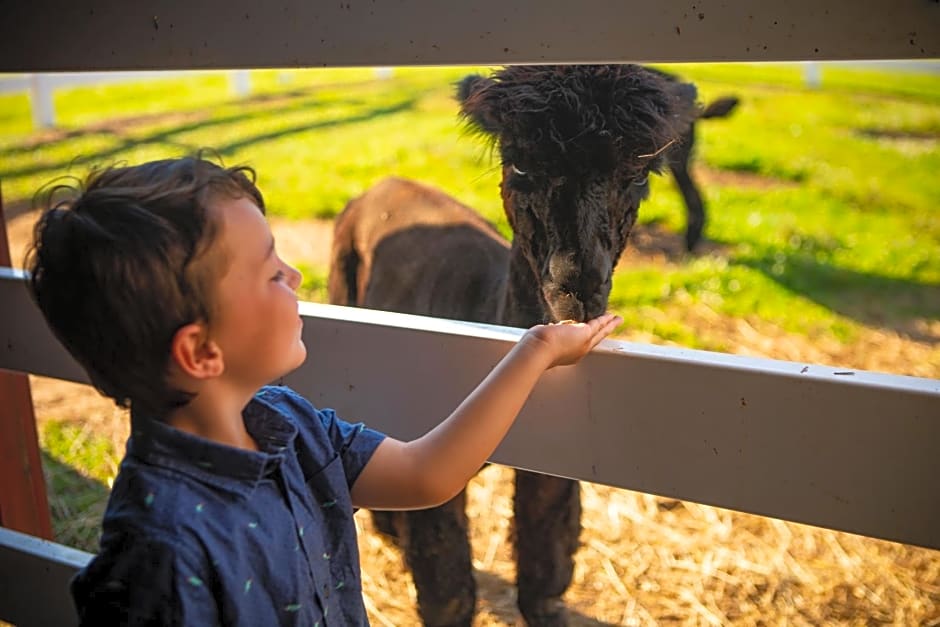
{"type": "Point", "coordinates": [644, 560]}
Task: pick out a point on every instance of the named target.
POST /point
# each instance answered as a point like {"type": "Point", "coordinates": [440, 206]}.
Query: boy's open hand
{"type": "Point", "coordinates": [569, 341]}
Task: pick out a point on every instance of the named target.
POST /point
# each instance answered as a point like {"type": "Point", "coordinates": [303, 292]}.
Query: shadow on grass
{"type": "Point", "coordinates": [365, 116]}
{"type": "Point", "coordinates": [193, 119]}
{"type": "Point", "coordinates": [871, 299]}
{"type": "Point", "coordinates": [875, 132]}
{"type": "Point", "coordinates": [76, 503]}
{"type": "Point", "coordinates": [189, 122]}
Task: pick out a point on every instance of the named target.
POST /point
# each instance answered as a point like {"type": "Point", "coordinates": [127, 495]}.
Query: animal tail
{"type": "Point", "coordinates": [342, 283]}
{"type": "Point", "coordinates": [720, 108]}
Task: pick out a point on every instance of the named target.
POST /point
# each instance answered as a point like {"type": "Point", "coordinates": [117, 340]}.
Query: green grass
{"type": "Point", "coordinates": [79, 466]}
{"type": "Point", "coordinates": [854, 214]}
{"type": "Point", "coordinates": [313, 285]}
{"type": "Point", "coordinates": [848, 211]}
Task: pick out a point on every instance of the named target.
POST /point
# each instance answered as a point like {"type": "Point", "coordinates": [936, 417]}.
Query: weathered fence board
{"type": "Point", "coordinates": [848, 450]}
{"type": "Point", "coordinates": [35, 575]}
{"type": "Point", "coordinates": [173, 34]}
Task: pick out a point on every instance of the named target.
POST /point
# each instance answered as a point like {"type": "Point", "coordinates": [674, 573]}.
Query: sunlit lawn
{"type": "Point", "coordinates": [854, 214]}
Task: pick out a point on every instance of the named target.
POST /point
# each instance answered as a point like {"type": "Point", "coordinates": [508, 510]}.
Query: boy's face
{"type": "Point", "coordinates": [255, 319]}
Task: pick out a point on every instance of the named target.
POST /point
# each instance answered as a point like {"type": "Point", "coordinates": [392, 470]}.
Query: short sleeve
{"type": "Point", "coordinates": [354, 442]}
{"type": "Point", "coordinates": [139, 581]}
{"type": "Point", "coordinates": [323, 434]}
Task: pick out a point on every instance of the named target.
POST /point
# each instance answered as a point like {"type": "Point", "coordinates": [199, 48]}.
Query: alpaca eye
{"type": "Point", "coordinates": [517, 171]}
{"type": "Point", "coordinates": [642, 181]}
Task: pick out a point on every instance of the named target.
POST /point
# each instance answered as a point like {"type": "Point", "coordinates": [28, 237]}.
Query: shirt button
{"type": "Point", "coordinates": [326, 591]}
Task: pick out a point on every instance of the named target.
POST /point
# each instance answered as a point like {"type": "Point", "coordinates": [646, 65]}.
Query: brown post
{"type": "Point", "coordinates": [23, 502]}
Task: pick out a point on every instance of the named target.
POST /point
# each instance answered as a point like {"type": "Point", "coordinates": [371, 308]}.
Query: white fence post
{"type": "Point", "coordinates": [40, 97]}
{"type": "Point", "coordinates": [812, 74]}
{"type": "Point", "coordinates": [241, 83]}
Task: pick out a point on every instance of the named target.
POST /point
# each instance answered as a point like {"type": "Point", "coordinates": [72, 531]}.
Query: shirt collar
{"type": "Point", "coordinates": [156, 443]}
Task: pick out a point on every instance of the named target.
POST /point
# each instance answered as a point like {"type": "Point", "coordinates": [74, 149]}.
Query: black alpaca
{"type": "Point", "coordinates": [577, 144]}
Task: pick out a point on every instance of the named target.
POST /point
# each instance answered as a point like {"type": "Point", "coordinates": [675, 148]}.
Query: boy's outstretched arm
{"type": "Point", "coordinates": [432, 469]}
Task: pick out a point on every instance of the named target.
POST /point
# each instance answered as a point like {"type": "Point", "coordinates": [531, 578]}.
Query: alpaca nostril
{"type": "Point", "coordinates": [578, 287]}
{"type": "Point", "coordinates": [579, 276]}
{"type": "Point", "coordinates": [577, 295]}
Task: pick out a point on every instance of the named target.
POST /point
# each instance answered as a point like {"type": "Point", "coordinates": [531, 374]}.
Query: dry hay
{"type": "Point", "coordinates": [646, 560]}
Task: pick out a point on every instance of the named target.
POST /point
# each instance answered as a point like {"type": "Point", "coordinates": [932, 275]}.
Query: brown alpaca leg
{"type": "Point", "coordinates": [437, 550]}
{"type": "Point", "coordinates": [548, 523]}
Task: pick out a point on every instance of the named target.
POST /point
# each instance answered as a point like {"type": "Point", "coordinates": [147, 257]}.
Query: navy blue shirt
{"type": "Point", "coordinates": [197, 533]}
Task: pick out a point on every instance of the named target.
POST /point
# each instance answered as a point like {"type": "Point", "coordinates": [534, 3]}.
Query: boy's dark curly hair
{"type": "Point", "coordinates": [120, 265]}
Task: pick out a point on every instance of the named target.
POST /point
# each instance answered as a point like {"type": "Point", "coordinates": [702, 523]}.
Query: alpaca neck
{"type": "Point", "coordinates": [523, 305]}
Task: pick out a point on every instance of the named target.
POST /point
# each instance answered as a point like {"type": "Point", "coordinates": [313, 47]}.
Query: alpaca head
{"type": "Point", "coordinates": [577, 145]}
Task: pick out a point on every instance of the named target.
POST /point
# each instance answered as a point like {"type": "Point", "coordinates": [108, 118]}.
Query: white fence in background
{"type": "Point", "coordinates": [41, 87]}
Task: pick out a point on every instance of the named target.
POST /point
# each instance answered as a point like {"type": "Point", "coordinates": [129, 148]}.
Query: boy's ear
{"type": "Point", "coordinates": [195, 354]}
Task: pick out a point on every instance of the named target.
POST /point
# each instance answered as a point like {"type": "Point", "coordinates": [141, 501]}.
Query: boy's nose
{"type": "Point", "coordinates": [294, 277]}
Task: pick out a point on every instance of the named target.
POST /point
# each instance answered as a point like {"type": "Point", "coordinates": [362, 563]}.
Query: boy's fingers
{"type": "Point", "coordinates": [606, 322]}
{"type": "Point", "coordinates": [614, 321]}
{"type": "Point", "coordinates": [608, 326]}
{"type": "Point", "coordinates": [601, 327]}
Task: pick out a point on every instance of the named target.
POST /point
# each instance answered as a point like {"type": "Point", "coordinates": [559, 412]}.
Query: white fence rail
{"type": "Point", "coordinates": [848, 450]}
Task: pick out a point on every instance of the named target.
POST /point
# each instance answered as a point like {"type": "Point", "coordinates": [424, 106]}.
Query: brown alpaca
{"type": "Point", "coordinates": [577, 144]}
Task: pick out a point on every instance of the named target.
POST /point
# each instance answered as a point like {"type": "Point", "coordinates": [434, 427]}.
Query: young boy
{"type": "Point", "coordinates": [234, 503]}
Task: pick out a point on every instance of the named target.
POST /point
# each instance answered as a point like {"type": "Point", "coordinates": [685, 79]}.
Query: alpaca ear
{"type": "Point", "coordinates": [478, 103]}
